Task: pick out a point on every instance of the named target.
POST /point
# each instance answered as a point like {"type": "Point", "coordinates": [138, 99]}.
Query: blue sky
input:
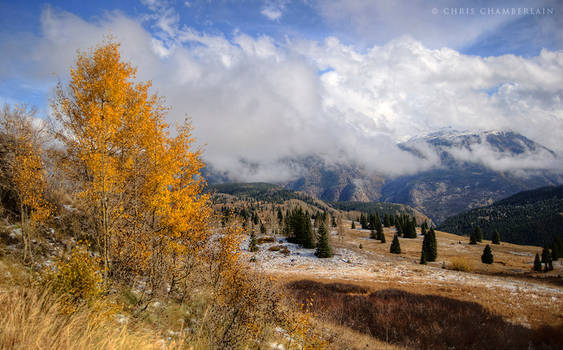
{"type": "Point", "coordinates": [355, 74]}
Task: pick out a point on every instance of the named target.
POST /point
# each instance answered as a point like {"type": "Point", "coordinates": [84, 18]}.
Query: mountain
{"type": "Point", "coordinates": [529, 217]}
{"type": "Point", "coordinates": [468, 170]}
{"type": "Point", "coordinates": [466, 177]}
{"type": "Point", "coordinates": [336, 181]}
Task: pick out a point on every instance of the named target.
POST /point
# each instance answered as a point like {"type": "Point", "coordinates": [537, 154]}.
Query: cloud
{"type": "Point", "coordinates": [255, 101]}
{"type": "Point", "coordinates": [439, 23]}
{"type": "Point", "coordinates": [272, 14]}
{"type": "Point", "coordinates": [273, 10]}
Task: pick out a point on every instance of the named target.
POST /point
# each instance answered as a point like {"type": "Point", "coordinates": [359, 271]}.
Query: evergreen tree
{"type": "Point", "coordinates": [373, 234]}
{"type": "Point", "coordinates": [363, 222]}
{"type": "Point", "coordinates": [382, 237]}
{"type": "Point", "coordinates": [252, 246]}
{"type": "Point", "coordinates": [487, 257]}
{"type": "Point", "coordinates": [556, 249]}
{"type": "Point", "coordinates": [386, 221]}
{"type": "Point", "coordinates": [546, 259]}
{"type": "Point", "coordinates": [399, 229]}
{"type": "Point", "coordinates": [537, 263]}
{"type": "Point", "coordinates": [298, 228]}
{"type": "Point", "coordinates": [395, 246]}
{"type": "Point", "coordinates": [379, 231]}
{"type": "Point", "coordinates": [478, 234]}
{"type": "Point", "coordinates": [353, 225]}
{"type": "Point", "coordinates": [323, 246]}
{"type": "Point", "coordinates": [424, 228]}
{"type": "Point", "coordinates": [429, 245]}
{"type": "Point", "coordinates": [333, 221]}
{"type": "Point", "coordinates": [432, 253]}
{"type": "Point", "coordinates": [262, 228]}
{"type": "Point", "coordinates": [496, 237]}
{"type": "Point", "coordinates": [412, 228]}
{"type": "Point", "coordinates": [280, 216]}
{"type": "Point", "coordinates": [422, 257]}
{"type": "Point", "coordinates": [472, 239]}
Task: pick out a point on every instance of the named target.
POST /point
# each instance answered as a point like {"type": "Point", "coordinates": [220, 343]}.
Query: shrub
{"type": "Point", "coordinates": [263, 240]}
{"type": "Point", "coordinates": [284, 251]}
{"type": "Point", "coordinates": [419, 321]}
{"type": "Point", "coordinates": [275, 248]}
{"type": "Point", "coordinates": [460, 264]}
{"type": "Point", "coordinates": [252, 244]}
{"type": "Point", "coordinates": [78, 279]}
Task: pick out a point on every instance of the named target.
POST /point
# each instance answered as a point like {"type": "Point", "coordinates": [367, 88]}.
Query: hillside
{"type": "Point", "coordinates": [529, 217]}
{"type": "Point", "coordinates": [275, 194]}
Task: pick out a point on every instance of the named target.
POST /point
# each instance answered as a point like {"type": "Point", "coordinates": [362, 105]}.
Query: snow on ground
{"type": "Point", "coordinates": [368, 266]}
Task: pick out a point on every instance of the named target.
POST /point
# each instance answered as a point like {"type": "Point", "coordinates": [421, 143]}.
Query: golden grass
{"type": "Point", "coordinates": [459, 263]}
{"type": "Point", "coordinates": [30, 319]}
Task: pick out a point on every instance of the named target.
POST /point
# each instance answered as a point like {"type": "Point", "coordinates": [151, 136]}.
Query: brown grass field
{"type": "Point", "coordinates": [507, 288]}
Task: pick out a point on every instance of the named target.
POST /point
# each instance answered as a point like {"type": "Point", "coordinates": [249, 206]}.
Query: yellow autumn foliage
{"type": "Point", "coordinates": [140, 184]}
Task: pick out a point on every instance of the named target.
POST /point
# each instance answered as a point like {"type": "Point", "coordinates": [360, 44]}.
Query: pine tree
{"type": "Point", "coordinates": [382, 237]}
{"type": "Point", "coordinates": [353, 225]}
{"type": "Point", "coordinates": [487, 257]}
{"type": "Point", "coordinates": [373, 234]}
{"type": "Point", "coordinates": [252, 246]}
{"type": "Point", "coordinates": [556, 249]}
{"type": "Point", "coordinates": [423, 229]}
{"type": "Point", "coordinates": [395, 246]}
{"type": "Point", "coordinates": [323, 246]}
{"type": "Point", "coordinates": [472, 238]}
{"type": "Point", "coordinates": [386, 221]}
{"type": "Point", "coordinates": [537, 263]}
{"type": "Point", "coordinates": [379, 230]}
{"type": "Point", "coordinates": [432, 253]}
{"type": "Point", "coordinates": [422, 257]}
{"type": "Point", "coordinates": [262, 228]}
{"type": "Point", "coordinates": [429, 245]}
{"type": "Point", "coordinates": [496, 237]}
{"type": "Point", "coordinates": [399, 229]}
{"type": "Point", "coordinates": [546, 259]}
{"type": "Point", "coordinates": [478, 234]}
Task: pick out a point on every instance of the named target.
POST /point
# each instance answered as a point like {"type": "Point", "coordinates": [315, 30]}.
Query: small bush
{"type": "Point", "coordinates": [460, 264]}
{"type": "Point", "coordinates": [263, 240]}
{"type": "Point", "coordinates": [284, 251]}
{"type": "Point", "coordinates": [78, 279]}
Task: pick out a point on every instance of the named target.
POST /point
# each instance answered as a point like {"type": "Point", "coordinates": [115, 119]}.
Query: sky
{"type": "Point", "coordinates": [265, 81]}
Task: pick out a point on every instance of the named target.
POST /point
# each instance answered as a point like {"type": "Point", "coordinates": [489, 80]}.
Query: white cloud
{"type": "Point", "coordinates": [272, 14]}
{"type": "Point", "coordinates": [437, 23]}
{"type": "Point", "coordinates": [255, 102]}
{"type": "Point", "coordinates": [274, 9]}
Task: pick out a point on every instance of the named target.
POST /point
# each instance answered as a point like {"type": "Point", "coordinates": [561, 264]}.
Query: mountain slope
{"type": "Point", "coordinates": [270, 193]}
{"type": "Point", "coordinates": [471, 172]}
{"type": "Point", "coordinates": [529, 217]}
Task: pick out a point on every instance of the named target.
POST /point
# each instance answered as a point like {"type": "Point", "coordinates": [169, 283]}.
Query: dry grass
{"type": "Point", "coordinates": [459, 263]}
{"type": "Point", "coordinates": [511, 259]}
{"type": "Point", "coordinates": [420, 321]}
{"type": "Point", "coordinates": [30, 319]}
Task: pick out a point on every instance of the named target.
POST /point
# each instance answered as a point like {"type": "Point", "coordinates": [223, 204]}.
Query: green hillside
{"type": "Point", "coordinates": [530, 217]}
